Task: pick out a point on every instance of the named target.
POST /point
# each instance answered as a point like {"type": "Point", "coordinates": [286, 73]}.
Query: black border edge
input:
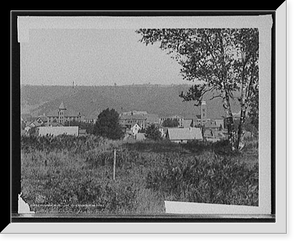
{"type": "Point", "coordinates": [273, 116]}
{"type": "Point", "coordinates": [175, 218]}
{"type": "Point", "coordinates": [15, 114]}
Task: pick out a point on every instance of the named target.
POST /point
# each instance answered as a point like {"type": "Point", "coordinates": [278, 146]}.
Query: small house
{"type": "Point", "coordinates": [135, 129]}
{"type": "Point", "coordinates": [163, 131]}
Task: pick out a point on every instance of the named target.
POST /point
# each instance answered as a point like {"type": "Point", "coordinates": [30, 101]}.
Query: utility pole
{"type": "Point", "coordinates": [114, 164]}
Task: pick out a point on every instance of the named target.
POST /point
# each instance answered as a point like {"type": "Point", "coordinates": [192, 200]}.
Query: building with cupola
{"type": "Point", "coordinates": [63, 115]}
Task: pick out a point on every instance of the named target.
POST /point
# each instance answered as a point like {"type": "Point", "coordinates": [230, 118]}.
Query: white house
{"type": "Point", "coordinates": [135, 129]}
{"type": "Point", "coordinates": [163, 131]}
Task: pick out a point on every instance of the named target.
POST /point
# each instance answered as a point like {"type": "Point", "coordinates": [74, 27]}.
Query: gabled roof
{"type": "Point", "coordinates": [185, 134]}
{"type": "Point", "coordinates": [36, 123]}
{"type": "Point", "coordinates": [136, 125]}
{"type": "Point", "coordinates": [62, 106]}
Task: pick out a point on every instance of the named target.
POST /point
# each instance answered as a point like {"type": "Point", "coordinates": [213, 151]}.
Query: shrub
{"type": "Point", "coordinates": [213, 180]}
{"type": "Point", "coordinates": [152, 132]}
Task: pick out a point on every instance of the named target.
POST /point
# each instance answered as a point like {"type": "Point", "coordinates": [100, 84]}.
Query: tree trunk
{"type": "Point", "coordinates": [239, 142]}
{"type": "Point", "coordinates": [244, 102]}
{"type": "Point", "coordinates": [240, 134]}
{"type": "Point", "coordinates": [229, 119]}
{"type": "Point", "coordinates": [225, 95]}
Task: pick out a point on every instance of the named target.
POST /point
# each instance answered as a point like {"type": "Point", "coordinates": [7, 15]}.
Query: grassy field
{"type": "Point", "coordinates": [74, 175]}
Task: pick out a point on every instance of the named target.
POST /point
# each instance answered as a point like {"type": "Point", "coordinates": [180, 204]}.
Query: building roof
{"type": "Point", "coordinates": [67, 113]}
{"type": "Point", "coordinates": [177, 117]}
{"type": "Point", "coordinates": [136, 126]}
{"type": "Point", "coordinates": [133, 117]}
{"type": "Point", "coordinates": [43, 118]}
{"type": "Point", "coordinates": [186, 123]}
{"type": "Point", "coordinates": [134, 112]}
{"type": "Point", "coordinates": [62, 106]}
{"type": "Point", "coordinates": [211, 124]}
{"type": "Point", "coordinates": [185, 134]}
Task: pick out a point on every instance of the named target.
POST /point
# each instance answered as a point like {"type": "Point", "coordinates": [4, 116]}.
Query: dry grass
{"type": "Point", "coordinates": [63, 180]}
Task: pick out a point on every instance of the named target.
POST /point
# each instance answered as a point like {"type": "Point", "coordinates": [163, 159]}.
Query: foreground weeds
{"type": "Point", "coordinates": [209, 180]}
{"type": "Point", "coordinates": [74, 175]}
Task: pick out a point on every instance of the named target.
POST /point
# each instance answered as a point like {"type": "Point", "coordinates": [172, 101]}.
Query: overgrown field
{"type": "Point", "coordinates": [68, 174]}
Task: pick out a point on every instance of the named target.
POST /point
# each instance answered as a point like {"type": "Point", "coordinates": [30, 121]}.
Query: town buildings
{"type": "Point", "coordinates": [196, 127]}
{"type": "Point", "coordinates": [142, 118]}
{"type": "Point", "coordinates": [134, 123]}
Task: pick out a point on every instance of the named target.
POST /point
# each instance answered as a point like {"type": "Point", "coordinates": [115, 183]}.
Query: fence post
{"type": "Point", "coordinates": [114, 164]}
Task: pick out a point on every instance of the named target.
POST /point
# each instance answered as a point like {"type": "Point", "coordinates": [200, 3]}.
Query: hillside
{"type": "Point", "coordinates": [91, 100]}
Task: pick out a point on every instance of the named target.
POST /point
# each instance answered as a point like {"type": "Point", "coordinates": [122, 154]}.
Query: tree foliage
{"type": "Point", "coordinates": [253, 112]}
{"type": "Point", "coordinates": [107, 125]}
{"type": "Point", "coordinates": [152, 132]}
{"type": "Point", "coordinates": [169, 122]}
{"type": "Point", "coordinates": [222, 61]}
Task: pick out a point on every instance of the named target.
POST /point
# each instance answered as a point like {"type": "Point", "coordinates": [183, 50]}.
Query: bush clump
{"type": "Point", "coordinates": [213, 180]}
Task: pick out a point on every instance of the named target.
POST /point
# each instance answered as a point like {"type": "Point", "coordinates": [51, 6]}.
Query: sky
{"type": "Point", "coordinates": [94, 57]}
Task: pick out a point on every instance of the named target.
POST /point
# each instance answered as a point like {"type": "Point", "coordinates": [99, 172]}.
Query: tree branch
{"type": "Point", "coordinates": [216, 96]}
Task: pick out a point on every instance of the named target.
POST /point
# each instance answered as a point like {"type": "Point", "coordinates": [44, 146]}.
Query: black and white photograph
{"type": "Point", "coordinates": [126, 121]}
{"type": "Point", "coordinates": [146, 118]}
